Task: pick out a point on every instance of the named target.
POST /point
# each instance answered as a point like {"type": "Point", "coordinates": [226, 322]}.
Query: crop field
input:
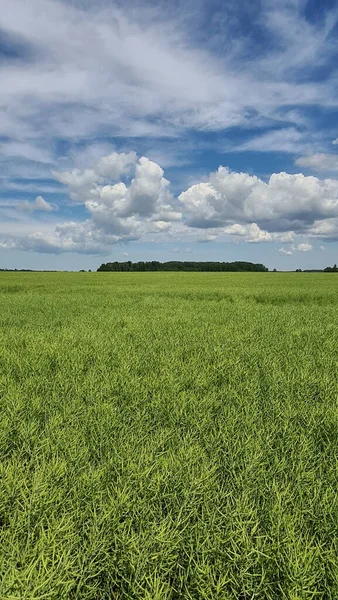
{"type": "Point", "coordinates": [168, 436]}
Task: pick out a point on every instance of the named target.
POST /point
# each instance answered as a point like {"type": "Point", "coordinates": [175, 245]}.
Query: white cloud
{"type": "Point", "coordinates": [326, 229]}
{"type": "Point", "coordinates": [118, 212]}
{"type": "Point", "coordinates": [289, 236]}
{"type": "Point", "coordinates": [285, 203]}
{"type": "Point", "coordinates": [148, 189]}
{"type": "Point", "coordinates": [319, 162]}
{"type": "Point", "coordinates": [67, 237]}
{"type": "Point", "coordinates": [100, 70]}
{"type": "Point", "coordinates": [115, 165]}
{"type": "Point", "coordinates": [146, 205]}
{"type": "Point", "coordinates": [255, 234]}
{"type": "Point", "coordinates": [114, 72]}
{"type": "Point", "coordinates": [284, 209]}
{"type": "Point", "coordinates": [304, 247]}
{"type": "Point", "coordinates": [236, 229]}
{"type": "Point", "coordinates": [277, 140]}
{"type": "Point", "coordinates": [335, 142]}
{"type": "Point", "coordinates": [207, 237]}
{"type": "Point", "coordinates": [322, 248]}
{"type": "Point", "coordinates": [251, 233]}
{"type": "Point", "coordinates": [39, 204]}
{"type": "Point", "coordinates": [284, 251]}
{"type": "Point", "coordinates": [79, 183]}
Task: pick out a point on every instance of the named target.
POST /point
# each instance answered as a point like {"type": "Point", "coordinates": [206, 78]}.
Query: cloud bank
{"type": "Point", "coordinates": [127, 198]}
{"type": "Point", "coordinates": [285, 203]}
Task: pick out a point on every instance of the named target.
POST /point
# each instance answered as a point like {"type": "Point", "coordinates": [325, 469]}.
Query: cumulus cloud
{"type": "Point", "coordinates": [304, 247]}
{"type": "Point", "coordinates": [284, 251]}
{"type": "Point", "coordinates": [319, 162]}
{"type": "Point", "coordinates": [148, 190]}
{"type": "Point", "coordinates": [286, 203]}
{"type": "Point", "coordinates": [131, 211]}
{"type": "Point", "coordinates": [255, 234]}
{"type": "Point", "coordinates": [289, 236]}
{"type": "Point", "coordinates": [327, 229]}
{"type": "Point", "coordinates": [126, 198]}
{"type": "Point", "coordinates": [79, 183]}
{"type": "Point", "coordinates": [117, 212]}
{"type": "Point", "coordinates": [251, 233]}
{"type": "Point", "coordinates": [335, 142]}
{"type": "Point", "coordinates": [236, 229]}
{"type": "Point", "coordinates": [39, 204]}
{"type": "Point", "coordinates": [116, 164]}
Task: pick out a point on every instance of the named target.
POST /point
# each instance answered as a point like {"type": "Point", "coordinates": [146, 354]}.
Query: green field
{"type": "Point", "coordinates": [169, 436]}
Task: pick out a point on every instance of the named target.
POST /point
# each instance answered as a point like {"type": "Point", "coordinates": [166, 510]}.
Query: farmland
{"type": "Point", "coordinates": [168, 436]}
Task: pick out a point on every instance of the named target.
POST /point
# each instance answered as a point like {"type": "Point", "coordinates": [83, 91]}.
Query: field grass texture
{"type": "Point", "coordinates": [168, 436]}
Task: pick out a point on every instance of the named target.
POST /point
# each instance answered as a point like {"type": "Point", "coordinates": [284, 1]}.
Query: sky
{"type": "Point", "coordinates": [183, 130]}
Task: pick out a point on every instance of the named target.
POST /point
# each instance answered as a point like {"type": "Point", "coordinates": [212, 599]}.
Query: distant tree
{"type": "Point", "coordinates": [333, 269]}
{"type": "Point", "coordinates": [298, 270]}
{"type": "Point", "coordinates": [274, 271]}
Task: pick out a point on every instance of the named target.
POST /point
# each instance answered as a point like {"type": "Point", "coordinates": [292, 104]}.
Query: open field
{"type": "Point", "coordinates": [169, 436]}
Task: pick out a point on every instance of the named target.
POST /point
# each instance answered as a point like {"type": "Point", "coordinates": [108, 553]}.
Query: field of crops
{"type": "Point", "coordinates": [168, 436]}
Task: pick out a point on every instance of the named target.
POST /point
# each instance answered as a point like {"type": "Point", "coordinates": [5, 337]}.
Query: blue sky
{"type": "Point", "coordinates": [188, 130]}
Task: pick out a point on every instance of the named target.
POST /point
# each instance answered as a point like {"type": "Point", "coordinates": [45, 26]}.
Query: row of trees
{"type": "Point", "coordinates": [333, 269]}
{"type": "Point", "coordinates": [154, 265]}
{"type": "Point", "coordinates": [27, 271]}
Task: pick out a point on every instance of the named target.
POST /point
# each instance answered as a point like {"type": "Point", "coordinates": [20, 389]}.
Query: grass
{"type": "Point", "coordinates": [168, 436]}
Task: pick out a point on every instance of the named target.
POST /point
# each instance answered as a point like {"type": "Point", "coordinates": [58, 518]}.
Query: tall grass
{"type": "Point", "coordinates": [168, 436]}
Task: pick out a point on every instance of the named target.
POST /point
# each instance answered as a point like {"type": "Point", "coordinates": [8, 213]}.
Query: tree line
{"type": "Point", "coordinates": [29, 270]}
{"type": "Point", "coordinates": [154, 265]}
{"type": "Point", "coordinates": [333, 269]}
